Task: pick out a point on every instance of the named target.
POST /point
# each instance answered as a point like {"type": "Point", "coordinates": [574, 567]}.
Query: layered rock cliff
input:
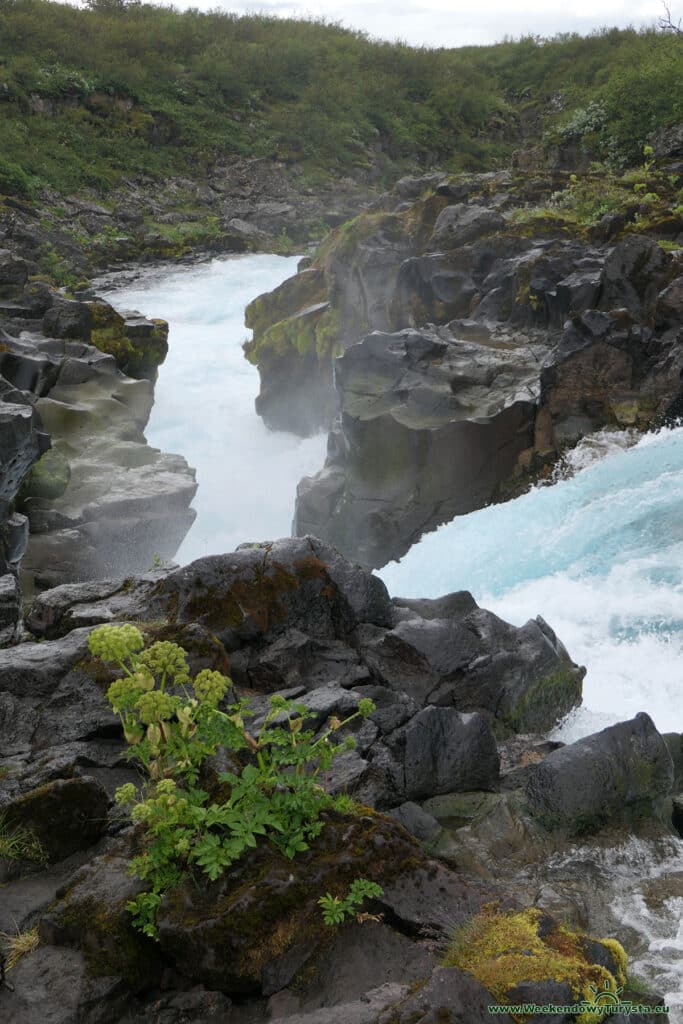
{"type": "Point", "coordinates": [476, 331]}
{"type": "Point", "coordinates": [77, 378]}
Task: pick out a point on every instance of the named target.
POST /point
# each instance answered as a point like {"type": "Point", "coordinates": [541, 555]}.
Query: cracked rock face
{"type": "Point", "coordinates": [430, 425]}
{"type": "Point", "coordinates": [124, 501]}
{"type": "Point", "coordinates": [102, 502]}
{"type": "Point", "coordinates": [471, 382]}
{"type": "Point", "coordinates": [21, 443]}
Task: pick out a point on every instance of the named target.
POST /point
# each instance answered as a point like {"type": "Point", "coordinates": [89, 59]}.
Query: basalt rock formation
{"type": "Point", "coordinates": [78, 378]}
{"type": "Point", "coordinates": [294, 617]}
{"type": "Point", "coordinates": [471, 345]}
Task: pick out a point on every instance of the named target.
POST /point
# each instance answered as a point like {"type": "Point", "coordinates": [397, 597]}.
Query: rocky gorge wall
{"type": "Point", "coordinates": [474, 350]}
{"type": "Point", "coordinates": [76, 391]}
{"type": "Point", "coordinates": [465, 333]}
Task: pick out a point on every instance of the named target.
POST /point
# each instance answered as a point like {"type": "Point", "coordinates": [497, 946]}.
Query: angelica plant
{"type": "Point", "coordinates": [173, 725]}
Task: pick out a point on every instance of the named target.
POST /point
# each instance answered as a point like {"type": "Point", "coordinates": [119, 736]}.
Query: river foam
{"type": "Point", "coordinates": [599, 555]}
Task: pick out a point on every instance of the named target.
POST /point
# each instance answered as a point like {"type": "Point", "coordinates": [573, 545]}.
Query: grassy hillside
{"type": "Point", "coordinates": [90, 96]}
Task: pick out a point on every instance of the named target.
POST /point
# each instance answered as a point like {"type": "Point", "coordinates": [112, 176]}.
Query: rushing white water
{"type": "Point", "coordinates": [204, 401]}
{"type": "Point", "coordinates": [600, 556]}
{"type": "Point", "coordinates": [630, 887]}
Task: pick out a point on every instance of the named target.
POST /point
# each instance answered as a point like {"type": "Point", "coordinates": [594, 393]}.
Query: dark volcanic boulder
{"type": "Point", "coordinates": [68, 319]}
{"type": "Point", "coordinates": [13, 273]}
{"type": "Point", "coordinates": [262, 589]}
{"type": "Point", "coordinates": [21, 443]}
{"type": "Point", "coordinates": [65, 816]}
{"type": "Point", "coordinates": [622, 771]}
{"type": "Point", "coordinates": [606, 369]}
{"type": "Point", "coordinates": [53, 986]}
{"type": "Point", "coordinates": [442, 751]}
{"type": "Point", "coordinates": [462, 223]}
{"type": "Point", "coordinates": [254, 929]}
{"type": "Point", "coordinates": [668, 142]}
{"type": "Point", "coordinates": [633, 276]}
{"type": "Point", "coordinates": [451, 652]}
{"type": "Point", "coordinates": [670, 304]}
{"type": "Point", "coordinates": [430, 289]}
{"type": "Point", "coordinates": [91, 915]}
{"type": "Point", "coordinates": [449, 995]}
{"type": "Point", "coordinates": [10, 608]}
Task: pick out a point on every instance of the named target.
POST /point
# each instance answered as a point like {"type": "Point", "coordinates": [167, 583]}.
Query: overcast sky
{"type": "Point", "coordinates": [459, 22]}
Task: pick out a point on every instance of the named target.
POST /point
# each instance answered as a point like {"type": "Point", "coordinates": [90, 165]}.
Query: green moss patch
{"type": "Point", "coordinates": [48, 478]}
{"type": "Point", "coordinates": [137, 357]}
{"type": "Point", "coordinates": [502, 950]}
{"type": "Point", "coordinates": [548, 700]}
{"type": "Point", "coordinates": [312, 333]}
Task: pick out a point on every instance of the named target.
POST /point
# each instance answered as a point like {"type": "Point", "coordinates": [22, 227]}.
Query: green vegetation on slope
{"type": "Point", "coordinates": [89, 96]}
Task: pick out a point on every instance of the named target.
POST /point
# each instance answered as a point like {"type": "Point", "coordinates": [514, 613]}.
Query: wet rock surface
{"type": "Point", "coordinates": [100, 500]}
{"type": "Point", "coordinates": [251, 946]}
{"type": "Point", "coordinates": [629, 764]}
{"type": "Point", "coordinates": [429, 427]}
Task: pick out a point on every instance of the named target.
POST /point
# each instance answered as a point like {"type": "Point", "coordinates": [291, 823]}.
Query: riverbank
{"type": "Point", "coordinates": [239, 206]}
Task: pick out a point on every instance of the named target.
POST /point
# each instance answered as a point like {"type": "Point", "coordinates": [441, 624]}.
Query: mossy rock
{"type": "Point", "coordinates": [48, 478]}
{"type": "Point", "coordinates": [254, 929]}
{"type": "Point", "coordinates": [104, 315]}
{"type": "Point", "coordinates": [256, 592]}
{"type": "Point", "coordinates": [547, 700]}
{"type": "Point", "coordinates": [92, 916]}
{"type": "Point", "coordinates": [139, 357]}
{"type": "Point", "coordinates": [312, 332]}
{"type": "Point", "coordinates": [503, 950]}
{"type": "Point", "coordinates": [304, 289]}
{"type": "Point", "coordinates": [340, 245]}
{"type": "Point", "coordinates": [64, 816]}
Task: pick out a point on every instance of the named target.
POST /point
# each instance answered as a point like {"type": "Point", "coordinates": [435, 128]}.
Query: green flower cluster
{"type": "Point", "coordinates": [210, 687]}
{"type": "Point", "coordinates": [167, 661]}
{"type": "Point", "coordinates": [156, 706]}
{"type": "Point", "coordinates": [116, 643]}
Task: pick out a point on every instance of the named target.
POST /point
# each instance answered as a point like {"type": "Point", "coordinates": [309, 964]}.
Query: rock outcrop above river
{"type": "Point", "coordinates": [430, 425]}
{"type": "Point", "coordinates": [473, 341]}
{"type": "Point", "coordinates": [294, 617]}
{"type": "Point", "coordinates": [78, 377]}
{"type": "Point", "coordinates": [235, 206]}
